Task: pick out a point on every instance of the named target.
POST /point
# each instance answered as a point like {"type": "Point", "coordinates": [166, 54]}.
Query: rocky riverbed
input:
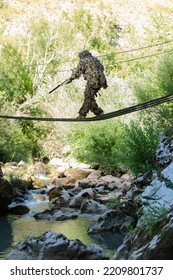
{"type": "Point", "coordinates": [140, 209]}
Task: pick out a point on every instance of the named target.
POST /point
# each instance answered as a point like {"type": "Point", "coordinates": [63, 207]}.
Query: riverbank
{"type": "Point", "coordinates": [138, 208]}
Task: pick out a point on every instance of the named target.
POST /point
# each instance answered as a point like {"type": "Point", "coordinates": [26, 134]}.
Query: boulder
{"type": "Point", "coordinates": [55, 192]}
{"type": "Point", "coordinates": [38, 183]}
{"type": "Point", "coordinates": [92, 206]}
{"type": "Point", "coordinates": [157, 196]}
{"type": "Point", "coordinates": [55, 215]}
{"type": "Point", "coordinates": [95, 175]}
{"type": "Point", "coordinates": [164, 151]}
{"type": "Point", "coordinates": [167, 173]}
{"type": "Point", "coordinates": [61, 201]}
{"type": "Point", "coordinates": [55, 246]}
{"type": "Point", "coordinates": [6, 194]}
{"type": "Point", "coordinates": [21, 163]}
{"type": "Point", "coordinates": [90, 183]}
{"type": "Point", "coordinates": [113, 181]}
{"type": "Point", "coordinates": [114, 220]}
{"type": "Point", "coordinates": [1, 173]}
{"type": "Point", "coordinates": [143, 180]}
{"type": "Point", "coordinates": [144, 246]}
{"type": "Point", "coordinates": [19, 210]}
{"type": "Point", "coordinates": [76, 173]}
{"type": "Point", "coordinates": [110, 197]}
{"type": "Point", "coordinates": [77, 200]}
{"type": "Point", "coordinates": [39, 169]}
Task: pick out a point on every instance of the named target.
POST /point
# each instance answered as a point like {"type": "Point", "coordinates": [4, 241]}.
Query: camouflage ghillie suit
{"type": "Point", "coordinates": [93, 72]}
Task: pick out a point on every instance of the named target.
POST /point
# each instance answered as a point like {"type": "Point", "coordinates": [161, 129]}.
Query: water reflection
{"type": "Point", "coordinates": [16, 228]}
{"type": "Point", "coordinates": [13, 229]}
{"type": "Point", "coordinates": [111, 240]}
{"type": "Point", "coordinates": [6, 236]}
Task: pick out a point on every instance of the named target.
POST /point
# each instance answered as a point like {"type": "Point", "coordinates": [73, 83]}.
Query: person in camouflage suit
{"type": "Point", "coordinates": [93, 72]}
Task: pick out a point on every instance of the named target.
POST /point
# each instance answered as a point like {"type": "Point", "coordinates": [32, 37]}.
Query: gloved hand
{"type": "Point", "coordinates": [69, 80]}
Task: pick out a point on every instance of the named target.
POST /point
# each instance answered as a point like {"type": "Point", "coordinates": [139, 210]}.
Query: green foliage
{"type": "Point", "coordinates": [111, 145]}
{"type": "Point", "coordinates": [1, 4]}
{"type": "Point", "coordinates": [168, 183]}
{"type": "Point", "coordinates": [152, 218]}
{"type": "Point", "coordinates": [97, 43]}
{"type": "Point", "coordinates": [112, 203]}
{"type": "Point", "coordinates": [14, 145]}
{"type": "Point", "coordinates": [96, 144]}
{"type": "Point", "coordinates": [145, 87]}
{"type": "Point", "coordinates": [139, 145]}
{"type": "Point", "coordinates": [83, 20]}
{"type": "Point", "coordinates": [165, 74]}
{"type": "Point", "coordinates": [15, 80]}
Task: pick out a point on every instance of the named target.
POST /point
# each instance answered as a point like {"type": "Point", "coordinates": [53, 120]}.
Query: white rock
{"type": "Point", "coordinates": [157, 195]}
{"type": "Point", "coordinates": [168, 172]}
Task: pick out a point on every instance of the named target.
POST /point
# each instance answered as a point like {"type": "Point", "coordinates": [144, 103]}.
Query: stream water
{"type": "Point", "coordinates": [15, 228]}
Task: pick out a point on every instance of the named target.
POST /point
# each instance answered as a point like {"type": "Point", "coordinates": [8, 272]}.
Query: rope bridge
{"type": "Point", "coordinates": [111, 115]}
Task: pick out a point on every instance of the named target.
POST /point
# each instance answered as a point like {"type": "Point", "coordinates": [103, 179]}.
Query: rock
{"type": "Point", "coordinates": [167, 173]}
{"type": "Point", "coordinates": [55, 215]}
{"type": "Point", "coordinates": [39, 169]}
{"type": "Point", "coordinates": [126, 178]}
{"type": "Point", "coordinates": [109, 197]}
{"type": "Point", "coordinates": [95, 175]}
{"type": "Point", "coordinates": [92, 206]}
{"type": "Point", "coordinates": [20, 186]}
{"type": "Point", "coordinates": [164, 152]}
{"type": "Point", "coordinates": [77, 200]}
{"type": "Point", "coordinates": [21, 163]}
{"type": "Point", "coordinates": [88, 183]}
{"type": "Point", "coordinates": [59, 196]}
{"type": "Point", "coordinates": [157, 196]}
{"type": "Point", "coordinates": [76, 173]}
{"type": "Point", "coordinates": [111, 240]}
{"type": "Point", "coordinates": [1, 173]}
{"type": "Point", "coordinates": [55, 192]}
{"type": "Point", "coordinates": [61, 201]}
{"type": "Point", "coordinates": [142, 246]}
{"type": "Point", "coordinates": [58, 182]}
{"type": "Point", "coordinates": [19, 210]}
{"type": "Point", "coordinates": [38, 183]}
{"type": "Point", "coordinates": [111, 220]}
{"type": "Point", "coordinates": [55, 246]}
{"type": "Point", "coordinates": [12, 163]}
{"type": "Point", "coordinates": [6, 195]}
{"type": "Point", "coordinates": [143, 180]}
{"type": "Point", "coordinates": [101, 190]}
{"type": "Point", "coordinates": [117, 219]}
{"type": "Point", "coordinates": [109, 179]}
{"type": "Point", "coordinates": [58, 162]}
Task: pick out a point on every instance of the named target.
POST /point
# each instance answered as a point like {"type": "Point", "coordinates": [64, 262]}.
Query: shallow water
{"type": "Point", "coordinates": [14, 228]}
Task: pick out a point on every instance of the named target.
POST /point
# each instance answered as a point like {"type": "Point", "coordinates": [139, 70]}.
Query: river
{"type": "Point", "coordinates": [14, 228]}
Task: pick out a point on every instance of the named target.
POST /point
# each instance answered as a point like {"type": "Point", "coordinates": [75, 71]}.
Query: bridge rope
{"type": "Point", "coordinates": [121, 112]}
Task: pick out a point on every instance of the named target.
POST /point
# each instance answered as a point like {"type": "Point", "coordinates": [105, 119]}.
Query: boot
{"type": "Point", "coordinates": [101, 114]}
{"type": "Point", "coordinates": [81, 117]}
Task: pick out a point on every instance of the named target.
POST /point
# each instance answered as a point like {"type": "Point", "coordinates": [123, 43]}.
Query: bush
{"type": "Point", "coordinates": [15, 82]}
{"type": "Point", "coordinates": [139, 145]}
{"type": "Point", "coordinates": [165, 74]}
{"type": "Point", "coordinates": [96, 144]}
{"type": "Point", "coordinates": [14, 145]}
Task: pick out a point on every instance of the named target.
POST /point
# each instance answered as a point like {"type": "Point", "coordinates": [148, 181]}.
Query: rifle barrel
{"type": "Point", "coordinates": [58, 86]}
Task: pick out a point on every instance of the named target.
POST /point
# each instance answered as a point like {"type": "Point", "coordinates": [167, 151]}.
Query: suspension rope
{"type": "Point", "coordinates": [104, 55]}
{"type": "Point", "coordinates": [107, 65]}
{"type": "Point", "coordinates": [110, 115]}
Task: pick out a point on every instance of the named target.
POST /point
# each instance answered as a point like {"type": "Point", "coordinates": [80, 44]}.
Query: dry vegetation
{"type": "Point", "coordinates": [46, 36]}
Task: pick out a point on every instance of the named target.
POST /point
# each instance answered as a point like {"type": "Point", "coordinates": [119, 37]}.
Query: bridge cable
{"type": "Point", "coordinates": [110, 115]}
